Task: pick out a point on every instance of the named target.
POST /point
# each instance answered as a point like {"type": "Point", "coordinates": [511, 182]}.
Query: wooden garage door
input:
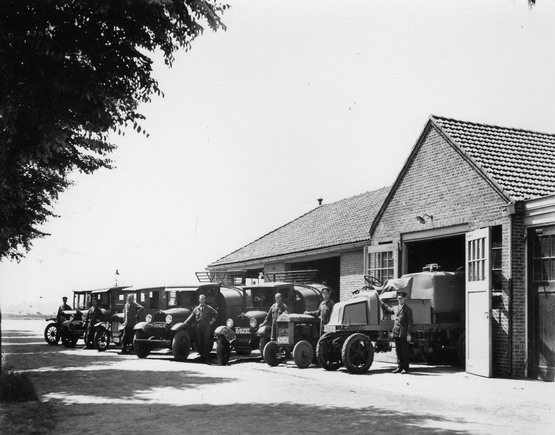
{"type": "Point", "coordinates": [478, 303]}
{"type": "Point", "coordinates": [542, 304]}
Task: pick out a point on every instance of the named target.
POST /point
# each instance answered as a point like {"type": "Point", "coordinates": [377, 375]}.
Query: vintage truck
{"type": "Point", "coordinates": [358, 327]}
{"type": "Point", "coordinates": [243, 332]}
{"type": "Point", "coordinates": [166, 329]}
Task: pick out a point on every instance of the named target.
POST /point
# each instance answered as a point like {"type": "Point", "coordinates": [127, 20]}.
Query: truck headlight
{"type": "Point", "coordinates": [253, 323]}
{"type": "Point", "coordinates": [148, 318]}
{"type": "Point", "coordinates": [169, 319]}
{"type": "Point", "coordinates": [229, 323]}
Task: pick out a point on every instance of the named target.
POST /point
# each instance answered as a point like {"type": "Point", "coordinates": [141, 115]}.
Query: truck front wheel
{"type": "Point", "coordinates": [51, 334]}
{"type": "Point", "coordinates": [142, 350]}
{"type": "Point", "coordinates": [181, 345]}
{"type": "Point", "coordinates": [223, 351]}
{"type": "Point", "coordinates": [270, 353]}
{"type": "Point", "coordinates": [357, 353]}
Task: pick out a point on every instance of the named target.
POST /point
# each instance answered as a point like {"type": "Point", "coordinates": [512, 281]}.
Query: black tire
{"type": "Point", "coordinates": [303, 354]}
{"type": "Point", "coordinates": [328, 357]}
{"type": "Point", "coordinates": [52, 334]}
{"type": "Point", "coordinates": [261, 345]}
{"type": "Point", "coordinates": [270, 353]}
{"type": "Point", "coordinates": [357, 353]}
{"type": "Point", "coordinates": [101, 339]}
{"type": "Point", "coordinates": [243, 352]}
{"type": "Point", "coordinates": [142, 350]}
{"type": "Point", "coordinates": [69, 340]}
{"type": "Point", "coordinates": [181, 345]}
{"type": "Point", "coordinates": [223, 350]}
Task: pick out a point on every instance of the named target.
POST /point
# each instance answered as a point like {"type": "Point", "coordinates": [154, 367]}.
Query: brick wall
{"type": "Point", "coordinates": [441, 183]}
{"type": "Point", "coordinates": [351, 273]}
{"type": "Point", "coordinates": [518, 309]}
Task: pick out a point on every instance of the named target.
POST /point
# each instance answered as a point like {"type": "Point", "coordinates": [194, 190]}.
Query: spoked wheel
{"type": "Point", "coordinates": [141, 349]}
{"type": "Point", "coordinates": [52, 334]}
{"type": "Point", "coordinates": [181, 346]}
{"type": "Point", "coordinates": [270, 353]}
{"type": "Point", "coordinates": [303, 354]}
{"type": "Point", "coordinates": [101, 339]}
{"type": "Point", "coordinates": [223, 351]}
{"type": "Point", "coordinates": [329, 357]}
{"type": "Point", "coordinates": [357, 353]}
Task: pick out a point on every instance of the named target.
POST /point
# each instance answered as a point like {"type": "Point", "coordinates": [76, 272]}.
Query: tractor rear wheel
{"type": "Point", "coordinates": [303, 354]}
{"type": "Point", "coordinates": [357, 353]}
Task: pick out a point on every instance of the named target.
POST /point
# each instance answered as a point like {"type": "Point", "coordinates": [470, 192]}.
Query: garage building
{"type": "Point", "coordinates": [470, 197]}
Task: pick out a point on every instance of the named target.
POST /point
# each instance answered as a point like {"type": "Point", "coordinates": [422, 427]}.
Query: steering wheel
{"type": "Point", "coordinates": [372, 282]}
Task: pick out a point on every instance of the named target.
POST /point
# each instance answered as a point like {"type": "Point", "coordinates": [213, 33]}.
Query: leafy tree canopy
{"type": "Point", "coordinates": [71, 71]}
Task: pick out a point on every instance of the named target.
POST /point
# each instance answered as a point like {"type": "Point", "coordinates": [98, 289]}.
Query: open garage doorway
{"type": "Point", "coordinates": [447, 252]}
{"type": "Point", "coordinates": [328, 271]}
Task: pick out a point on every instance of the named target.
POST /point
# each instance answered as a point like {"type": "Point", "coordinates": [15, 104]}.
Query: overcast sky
{"type": "Point", "coordinates": [296, 100]}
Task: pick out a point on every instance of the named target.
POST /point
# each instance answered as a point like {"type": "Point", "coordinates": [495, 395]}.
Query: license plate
{"type": "Point", "coordinates": [242, 330]}
{"type": "Point", "coordinates": [159, 324]}
{"type": "Point", "coordinates": [283, 340]}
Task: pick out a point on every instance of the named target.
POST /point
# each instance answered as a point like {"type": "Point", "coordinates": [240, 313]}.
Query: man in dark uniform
{"type": "Point", "coordinates": [93, 316]}
{"type": "Point", "coordinates": [401, 331]}
{"type": "Point", "coordinates": [273, 313]}
{"type": "Point", "coordinates": [324, 310]}
{"type": "Point", "coordinates": [64, 307]}
{"type": "Point", "coordinates": [130, 319]}
{"type": "Point", "coordinates": [203, 315]}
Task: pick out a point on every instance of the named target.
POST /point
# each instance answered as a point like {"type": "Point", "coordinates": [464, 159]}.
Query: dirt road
{"type": "Point", "coordinates": [99, 393]}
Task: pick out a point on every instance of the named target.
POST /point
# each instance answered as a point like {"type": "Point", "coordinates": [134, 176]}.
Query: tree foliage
{"type": "Point", "coordinates": [72, 71]}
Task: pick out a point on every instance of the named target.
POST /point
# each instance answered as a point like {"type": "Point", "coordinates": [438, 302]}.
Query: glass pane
{"type": "Point", "coordinates": [497, 280]}
{"type": "Point", "coordinates": [496, 258]}
{"type": "Point", "coordinates": [552, 271]}
{"type": "Point", "coordinates": [545, 246]}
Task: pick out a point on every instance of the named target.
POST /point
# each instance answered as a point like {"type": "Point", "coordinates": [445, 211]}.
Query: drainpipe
{"type": "Point", "coordinates": [510, 370]}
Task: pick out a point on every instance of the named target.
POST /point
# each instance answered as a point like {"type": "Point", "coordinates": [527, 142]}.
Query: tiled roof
{"type": "Point", "coordinates": [521, 162]}
{"type": "Point", "coordinates": [329, 225]}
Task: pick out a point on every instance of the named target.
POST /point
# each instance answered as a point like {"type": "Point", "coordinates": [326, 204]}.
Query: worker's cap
{"type": "Point", "coordinates": [401, 295]}
{"type": "Point", "coordinates": [64, 298]}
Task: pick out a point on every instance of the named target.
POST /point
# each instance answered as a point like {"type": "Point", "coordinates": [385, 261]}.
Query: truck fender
{"type": "Point", "coordinates": [140, 326]}
{"type": "Point", "coordinates": [105, 325]}
{"type": "Point", "coordinates": [226, 332]}
{"type": "Point", "coordinates": [179, 327]}
{"type": "Point", "coordinates": [262, 331]}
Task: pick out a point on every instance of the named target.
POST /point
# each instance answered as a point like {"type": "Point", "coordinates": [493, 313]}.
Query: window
{"type": "Point", "coordinates": [543, 257]}
{"type": "Point", "coordinates": [380, 262]}
{"type": "Point", "coordinates": [497, 257]}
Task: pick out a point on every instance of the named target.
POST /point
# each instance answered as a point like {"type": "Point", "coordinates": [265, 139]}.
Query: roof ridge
{"type": "Point", "coordinates": [445, 118]}
{"type": "Point", "coordinates": [300, 217]}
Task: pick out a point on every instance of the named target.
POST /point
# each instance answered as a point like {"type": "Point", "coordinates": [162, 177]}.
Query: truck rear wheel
{"type": "Point", "coordinates": [303, 354]}
{"type": "Point", "coordinates": [357, 353]}
{"type": "Point", "coordinates": [270, 353]}
{"type": "Point", "coordinates": [328, 357]}
{"type": "Point", "coordinates": [223, 351]}
{"type": "Point", "coordinates": [181, 345]}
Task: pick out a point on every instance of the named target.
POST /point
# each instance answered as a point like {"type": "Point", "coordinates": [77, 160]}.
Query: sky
{"type": "Point", "coordinates": [296, 100]}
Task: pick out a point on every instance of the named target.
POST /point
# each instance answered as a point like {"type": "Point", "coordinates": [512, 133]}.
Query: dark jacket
{"type": "Point", "coordinates": [323, 312]}
{"type": "Point", "coordinates": [403, 320]}
{"type": "Point", "coordinates": [202, 314]}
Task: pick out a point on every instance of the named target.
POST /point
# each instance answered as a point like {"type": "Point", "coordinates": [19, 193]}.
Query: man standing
{"type": "Point", "coordinates": [93, 316]}
{"type": "Point", "coordinates": [401, 331]}
{"type": "Point", "coordinates": [64, 307]}
{"type": "Point", "coordinates": [203, 315]}
{"type": "Point", "coordinates": [273, 313]}
{"type": "Point", "coordinates": [324, 310]}
{"type": "Point", "coordinates": [130, 314]}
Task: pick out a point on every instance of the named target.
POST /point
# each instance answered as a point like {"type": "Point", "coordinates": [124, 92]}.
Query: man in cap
{"type": "Point", "coordinates": [324, 310]}
{"type": "Point", "coordinates": [64, 307]}
{"type": "Point", "coordinates": [273, 313]}
{"type": "Point", "coordinates": [203, 316]}
{"type": "Point", "coordinates": [130, 319]}
{"type": "Point", "coordinates": [93, 316]}
{"type": "Point", "coordinates": [401, 331]}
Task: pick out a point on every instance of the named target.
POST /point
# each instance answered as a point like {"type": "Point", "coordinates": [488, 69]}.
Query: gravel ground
{"type": "Point", "coordinates": [91, 392]}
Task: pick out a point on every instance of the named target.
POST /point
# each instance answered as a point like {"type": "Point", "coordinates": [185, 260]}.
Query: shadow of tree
{"type": "Point", "coordinates": [255, 418]}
